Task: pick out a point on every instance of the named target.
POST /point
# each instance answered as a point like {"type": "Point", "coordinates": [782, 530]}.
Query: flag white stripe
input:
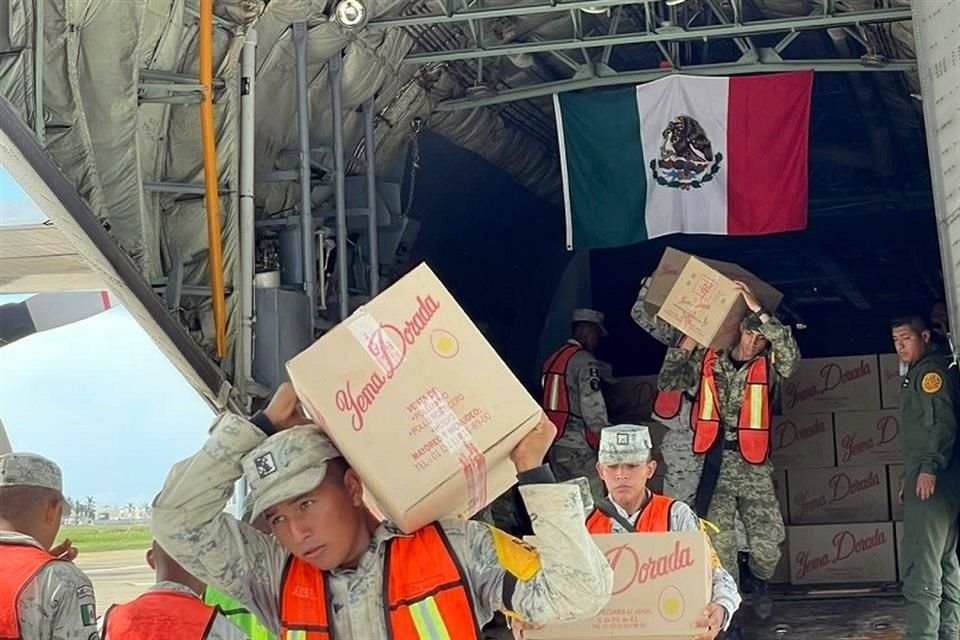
{"type": "Point", "coordinates": [567, 211]}
{"type": "Point", "coordinates": [695, 210]}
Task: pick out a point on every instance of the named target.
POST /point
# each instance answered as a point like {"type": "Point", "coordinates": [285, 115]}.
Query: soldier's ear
{"type": "Point", "coordinates": [353, 486]}
{"type": "Point", "coordinates": [651, 469]}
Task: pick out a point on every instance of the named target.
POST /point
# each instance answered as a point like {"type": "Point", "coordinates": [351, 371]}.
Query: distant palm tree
{"type": "Point", "coordinates": [91, 508]}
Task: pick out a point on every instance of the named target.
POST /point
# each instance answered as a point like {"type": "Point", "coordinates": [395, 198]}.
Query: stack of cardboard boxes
{"type": "Point", "coordinates": [838, 456]}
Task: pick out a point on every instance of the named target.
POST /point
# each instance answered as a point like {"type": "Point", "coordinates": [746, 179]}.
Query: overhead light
{"type": "Point", "coordinates": [594, 10]}
{"type": "Point", "coordinates": [351, 14]}
{"type": "Point", "coordinates": [673, 3]}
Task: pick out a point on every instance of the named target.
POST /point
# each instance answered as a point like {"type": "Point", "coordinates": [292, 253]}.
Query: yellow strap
{"type": "Point", "coordinates": [706, 523]}
{"type": "Point", "coordinates": [428, 621]}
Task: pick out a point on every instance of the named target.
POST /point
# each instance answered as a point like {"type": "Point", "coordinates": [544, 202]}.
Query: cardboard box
{"type": "Point", "coordinates": [631, 399]}
{"type": "Point", "coordinates": [697, 296]}
{"type": "Point", "coordinates": [890, 380]}
{"type": "Point", "coordinates": [895, 474]}
{"type": "Point", "coordinates": [838, 553]}
{"type": "Point", "coordinates": [398, 387]}
{"type": "Point", "coordinates": [846, 494]}
{"type": "Point", "coordinates": [832, 384]}
{"type": "Point", "coordinates": [868, 437]}
{"type": "Point", "coordinates": [662, 581]}
{"type": "Point", "coordinates": [898, 532]}
{"type": "Point", "coordinates": [803, 441]}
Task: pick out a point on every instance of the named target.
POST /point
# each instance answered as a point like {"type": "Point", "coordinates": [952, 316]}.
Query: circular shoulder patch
{"type": "Point", "coordinates": [931, 382]}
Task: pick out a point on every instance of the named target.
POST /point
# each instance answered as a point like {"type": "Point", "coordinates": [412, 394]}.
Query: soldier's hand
{"type": "Point", "coordinates": [285, 410]}
{"type": "Point", "coordinates": [519, 626]}
{"type": "Point", "coordinates": [688, 343]}
{"type": "Point", "coordinates": [65, 551]}
{"type": "Point", "coordinates": [529, 452]}
{"type": "Point", "coordinates": [710, 619]}
{"type": "Point", "coordinates": [752, 303]}
{"type": "Point", "coordinates": [926, 485]}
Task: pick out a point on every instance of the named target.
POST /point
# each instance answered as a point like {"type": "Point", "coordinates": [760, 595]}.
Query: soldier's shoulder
{"type": "Point", "coordinates": [63, 571]}
{"type": "Point", "coordinates": [935, 374]}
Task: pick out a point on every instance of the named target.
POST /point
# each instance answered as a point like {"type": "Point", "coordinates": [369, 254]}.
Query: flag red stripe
{"type": "Point", "coordinates": [768, 122]}
{"type": "Point", "coordinates": [105, 299]}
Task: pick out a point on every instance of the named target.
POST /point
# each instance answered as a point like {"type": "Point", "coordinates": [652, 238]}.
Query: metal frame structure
{"type": "Point", "coordinates": [666, 38]}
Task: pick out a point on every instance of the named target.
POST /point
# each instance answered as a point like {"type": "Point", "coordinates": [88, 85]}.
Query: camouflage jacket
{"type": "Point", "coordinates": [58, 603]}
{"type": "Point", "coordinates": [572, 580]}
{"type": "Point", "coordinates": [682, 369]}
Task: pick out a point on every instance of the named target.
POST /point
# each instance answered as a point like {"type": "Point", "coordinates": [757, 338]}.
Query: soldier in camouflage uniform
{"type": "Point", "coordinates": [739, 487]}
{"type": "Point", "coordinates": [572, 455]}
{"type": "Point", "coordinates": [684, 467]}
{"type": "Point", "coordinates": [43, 596]}
{"type": "Point", "coordinates": [313, 502]}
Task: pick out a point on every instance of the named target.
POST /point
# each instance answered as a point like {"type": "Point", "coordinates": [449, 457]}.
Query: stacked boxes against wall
{"type": "Point", "coordinates": [838, 454]}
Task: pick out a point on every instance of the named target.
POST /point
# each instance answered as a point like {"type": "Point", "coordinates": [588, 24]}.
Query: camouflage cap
{"type": "Point", "coordinates": [286, 465]}
{"type": "Point", "coordinates": [32, 470]}
{"type": "Point", "coordinates": [589, 315]}
{"type": "Point", "coordinates": [625, 444]}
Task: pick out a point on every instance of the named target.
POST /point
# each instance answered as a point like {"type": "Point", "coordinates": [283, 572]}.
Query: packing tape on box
{"type": "Point", "coordinates": [453, 433]}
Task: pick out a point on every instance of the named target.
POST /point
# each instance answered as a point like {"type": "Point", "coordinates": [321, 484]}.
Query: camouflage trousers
{"type": "Point", "coordinates": [746, 490]}
{"type": "Point", "coordinates": [569, 463]}
{"type": "Point", "coordinates": [683, 471]}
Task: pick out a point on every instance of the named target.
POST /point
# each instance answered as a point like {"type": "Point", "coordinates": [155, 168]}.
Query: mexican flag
{"type": "Point", "coordinates": [685, 154]}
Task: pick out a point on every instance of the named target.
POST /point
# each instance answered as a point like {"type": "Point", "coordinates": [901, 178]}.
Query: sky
{"type": "Point", "coordinates": [96, 396]}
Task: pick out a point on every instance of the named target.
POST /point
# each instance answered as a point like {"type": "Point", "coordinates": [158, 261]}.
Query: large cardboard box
{"type": "Point", "coordinates": [890, 380]}
{"type": "Point", "coordinates": [845, 494]}
{"type": "Point", "coordinates": [868, 437]}
{"type": "Point", "coordinates": [895, 475]}
{"type": "Point", "coordinates": [838, 553]}
{"type": "Point", "coordinates": [898, 531]}
{"type": "Point", "coordinates": [803, 441]}
{"type": "Point", "coordinates": [832, 384]}
{"type": "Point", "coordinates": [662, 581]}
{"type": "Point", "coordinates": [698, 297]}
{"type": "Point", "coordinates": [631, 399]}
{"type": "Point", "coordinates": [418, 402]}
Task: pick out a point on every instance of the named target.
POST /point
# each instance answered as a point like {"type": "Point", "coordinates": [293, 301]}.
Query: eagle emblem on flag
{"type": "Point", "coordinates": [687, 160]}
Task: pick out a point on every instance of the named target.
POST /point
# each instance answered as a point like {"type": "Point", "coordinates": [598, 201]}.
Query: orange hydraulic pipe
{"type": "Point", "coordinates": [210, 177]}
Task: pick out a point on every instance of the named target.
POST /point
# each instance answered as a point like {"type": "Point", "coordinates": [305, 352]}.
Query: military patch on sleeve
{"type": "Point", "coordinates": [594, 384]}
{"type": "Point", "coordinates": [518, 558]}
{"type": "Point", "coordinates": [931, 383]}
{"type": "Point", "coordinates": [84, 591]}
{"type": "Point", "coordinates": [88, 614]}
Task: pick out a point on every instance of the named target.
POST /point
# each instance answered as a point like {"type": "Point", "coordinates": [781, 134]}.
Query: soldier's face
{"type": "Point", "coordinates": [323, 527]}
{"type": "Point", "coordinates": [627, 483]}
{"type": "Point", "coordinates": [752, 343]}
{"type": "Point", "coordinates": [909, 343]}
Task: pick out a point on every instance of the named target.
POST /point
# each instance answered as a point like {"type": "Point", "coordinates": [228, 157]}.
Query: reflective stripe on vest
{"type": "Point", "coordinates": [159, 615]}
{"type": "Point", "coordinates": [556, 399]}
{"type": "Point", "coordinates": [21, 563]}
{"type": "Point", "coordinates": [753, 424]}
{"type": "Point", "coordinates": [655, 517]}
{"type": "Point", "coordinates": [426, 595]}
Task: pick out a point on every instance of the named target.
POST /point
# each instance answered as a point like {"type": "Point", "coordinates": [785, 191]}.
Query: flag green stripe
{"type": "Point", "coordinates": [604, 173]}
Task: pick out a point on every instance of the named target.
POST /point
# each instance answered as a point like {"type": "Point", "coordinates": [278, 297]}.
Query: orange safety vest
{"type": "Point", "coordinates": [556, 399]}
{"type": "Point", "coordinates": [158, 615]}
{"type": "Point", "coordinates": [753, 426]}
{"type": "Point", "coordinates": [667, 404]}
{"type": "Point", "coordinates": [655, 517]}
{"type": "Point", "coordinates": [425, 592]}
{"type": "Point", "coordinates": [21, 563]}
